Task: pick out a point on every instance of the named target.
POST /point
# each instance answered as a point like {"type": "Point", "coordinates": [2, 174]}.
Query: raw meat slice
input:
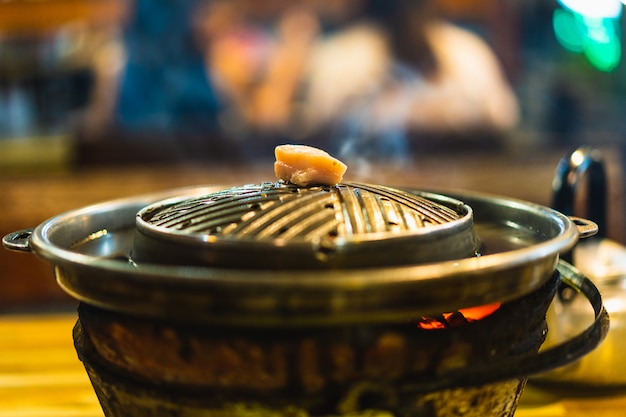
{"type": "Point", "coordinates": [305, 165]}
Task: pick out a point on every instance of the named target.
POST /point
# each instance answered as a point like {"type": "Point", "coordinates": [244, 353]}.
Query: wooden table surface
{"type": "Point", "coordinates": [41, 376]}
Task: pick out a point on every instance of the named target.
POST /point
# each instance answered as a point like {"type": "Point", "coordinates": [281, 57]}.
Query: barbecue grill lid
{"type": "Point", "coordinates": [283, 226]}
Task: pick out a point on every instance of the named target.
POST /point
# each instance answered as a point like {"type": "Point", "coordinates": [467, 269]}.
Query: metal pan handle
{"type": "Point", "coordinates": [586, 228]}
{"type": "Point", "coordinates": [18, 241]}
{"type": "Point", "coordinates": [543, 361]}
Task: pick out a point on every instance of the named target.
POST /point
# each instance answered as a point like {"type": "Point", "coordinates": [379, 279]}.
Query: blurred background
{"type": "Point", "coordinates": [111, 98]}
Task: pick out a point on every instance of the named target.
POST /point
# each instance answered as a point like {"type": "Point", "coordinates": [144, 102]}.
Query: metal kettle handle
{"type": "Point", "coordinates": [584, 161]}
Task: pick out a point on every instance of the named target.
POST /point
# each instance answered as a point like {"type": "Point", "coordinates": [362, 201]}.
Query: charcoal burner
{"type": "Point", "coordinates": [346, 369]}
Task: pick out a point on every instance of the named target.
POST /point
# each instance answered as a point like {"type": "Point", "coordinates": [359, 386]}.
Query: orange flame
{"type": "Point", "coordinates": [463, 315]}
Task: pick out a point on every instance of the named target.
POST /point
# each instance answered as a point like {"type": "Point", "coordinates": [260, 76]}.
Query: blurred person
{"type": "Point", "coordinates": [153, 99]}
{"type": "Point", "coordinates": [164, 85]}
{"type": "Point", "coordinates": [365, 72]}
{"type": "Point", "coordinates": [151, 77]}
{"type": "Point", "coordinates": [199, 71]}
{"type": "Point", "coordinates": [398, 68]}
{"type": "Point", "coordinates": [255, 55]}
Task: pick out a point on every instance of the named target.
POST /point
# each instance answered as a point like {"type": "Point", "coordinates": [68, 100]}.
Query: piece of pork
{"type": "Point", "coordinates": [305, 165]}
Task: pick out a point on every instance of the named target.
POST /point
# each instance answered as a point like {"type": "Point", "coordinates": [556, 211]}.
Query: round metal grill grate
{"type": "Point", "coordinates": [278, 210]}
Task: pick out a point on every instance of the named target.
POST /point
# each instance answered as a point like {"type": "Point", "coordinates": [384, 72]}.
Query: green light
{"type": "Point", "coordinates": [599, 30]}
{"type": "Point", "coordinates": [604, 56]}
{"type": "Point", "coordinates": [596, 38]}
{"type": "Point", "coordinates": [568, 30]}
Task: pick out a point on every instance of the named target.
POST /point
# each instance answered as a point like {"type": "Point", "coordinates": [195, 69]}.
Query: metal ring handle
{"type": "Point", "coordinates": [586, 228]}
{"type": "Point", "coordinates": [18, 241]}
{"type": "Point", "coordinates": [584, 161]}
{"type": "Point", "coordinates": [549, 359]}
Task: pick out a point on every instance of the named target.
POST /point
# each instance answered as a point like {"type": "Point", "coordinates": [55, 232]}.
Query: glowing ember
{"type": "Point", "coordinates": [457, 318]}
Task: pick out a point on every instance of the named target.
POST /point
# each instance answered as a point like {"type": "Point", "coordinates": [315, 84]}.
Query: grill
{"type": "Point", "coordinates": [286, 226]}
{"type": "Point", "coordinates": [270, 299]}
{"type": "Point", "coordinates": [273, 210]}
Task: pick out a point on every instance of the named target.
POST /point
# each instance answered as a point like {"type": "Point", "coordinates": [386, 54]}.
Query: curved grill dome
{"type": "Point", "coordinates": [279, 225]}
